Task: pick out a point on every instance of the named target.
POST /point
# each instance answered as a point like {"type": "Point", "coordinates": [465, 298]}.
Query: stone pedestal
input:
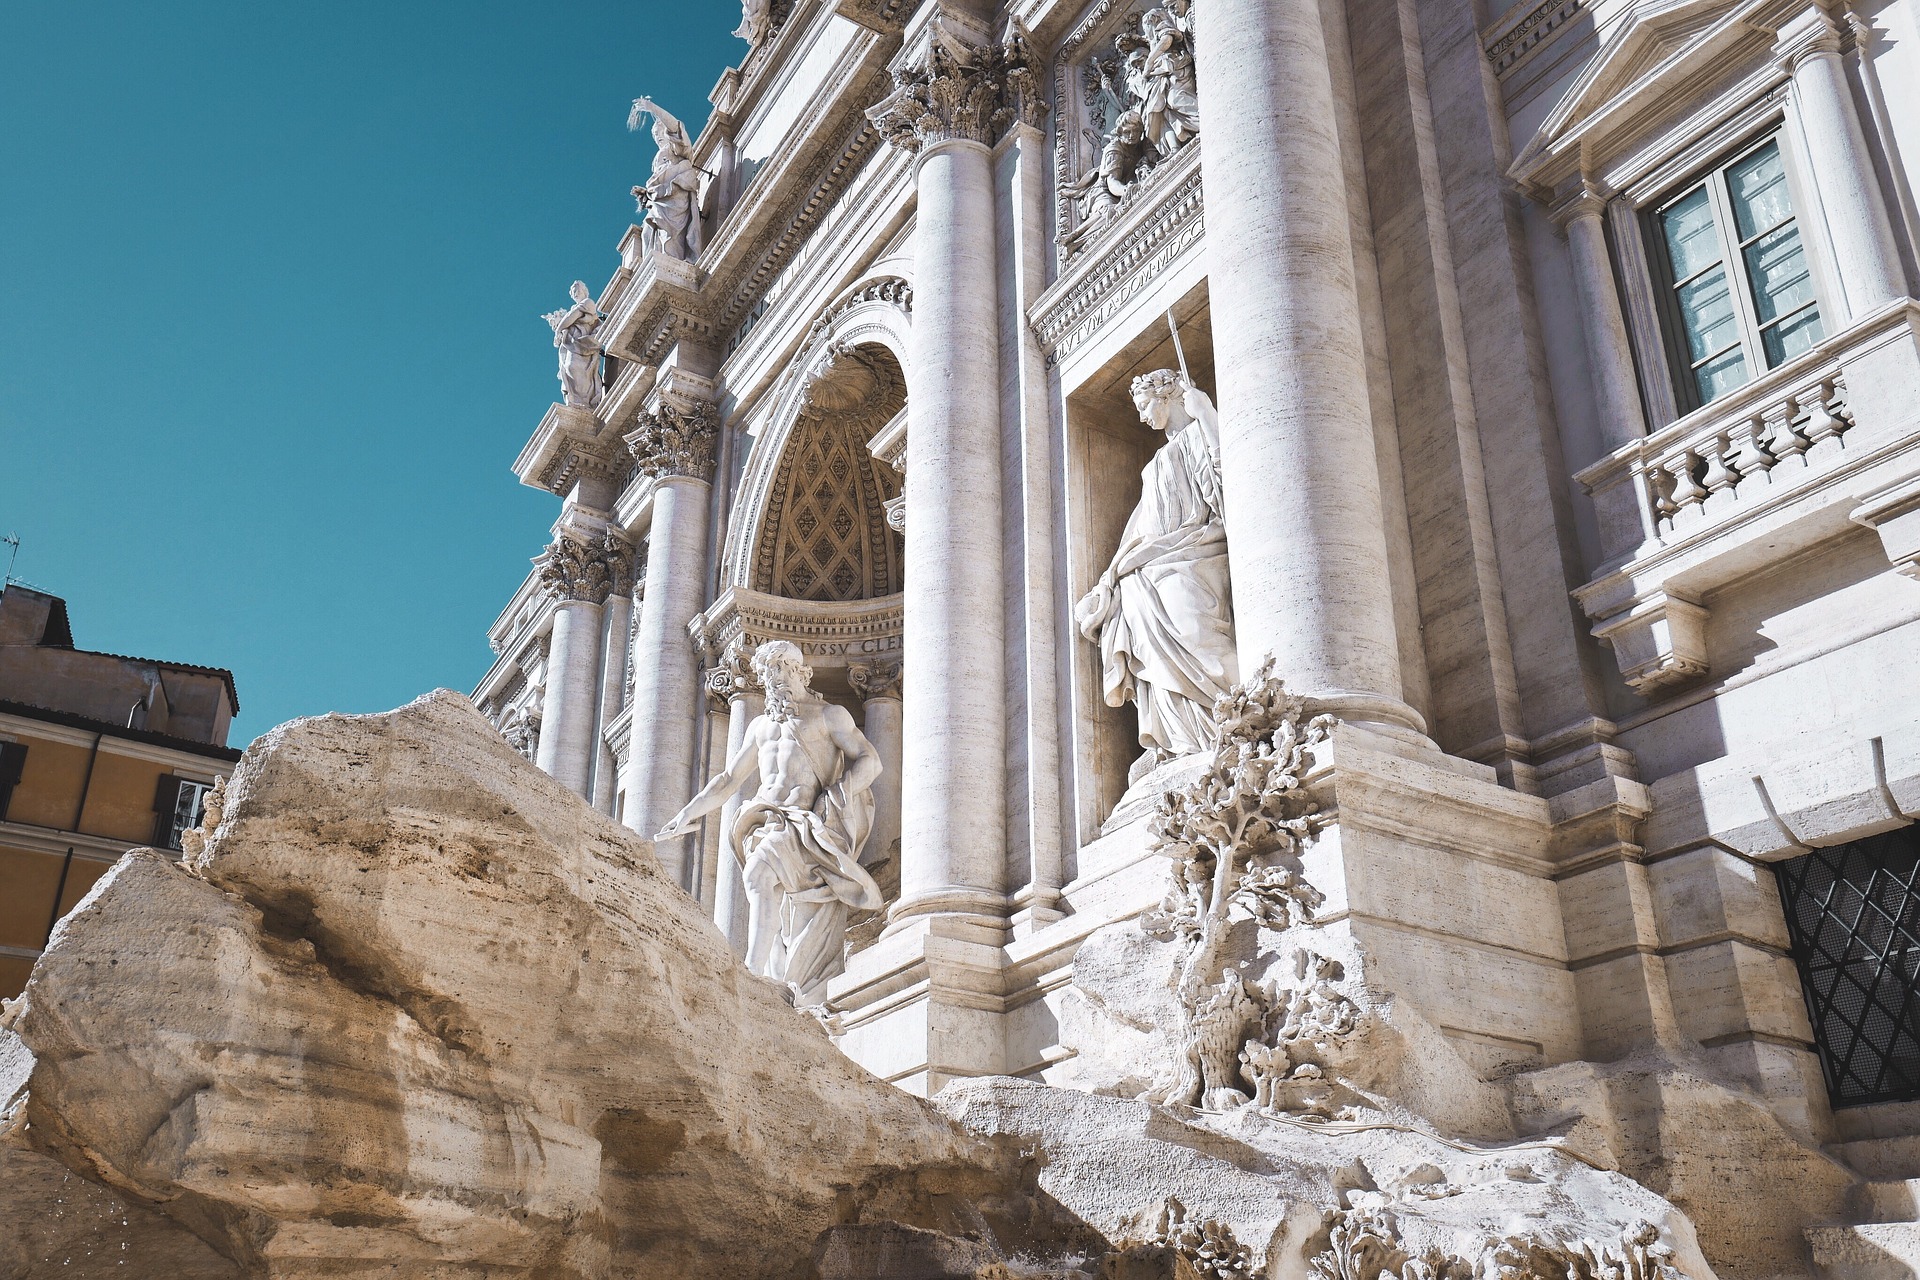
{"type": "Point", "coordinates": [1302, 483]}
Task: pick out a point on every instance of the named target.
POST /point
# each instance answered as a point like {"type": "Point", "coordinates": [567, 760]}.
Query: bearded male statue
{"type": "Point", "coordinates": [1162, 613]}
{"type": "Point", "coordinates": [800, 834]}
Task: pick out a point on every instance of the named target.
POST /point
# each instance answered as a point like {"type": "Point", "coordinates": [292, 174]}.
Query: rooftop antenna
{"type": "Point", "coordinates": [12, 540]}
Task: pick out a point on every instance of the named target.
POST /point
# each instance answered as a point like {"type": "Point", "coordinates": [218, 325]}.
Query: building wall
{"type": "Point", "coordinates": [1599, 677]}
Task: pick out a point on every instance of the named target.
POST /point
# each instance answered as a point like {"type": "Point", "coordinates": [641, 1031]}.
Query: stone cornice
{"type": "Point", "coordinates": [570, 443]}
{"type": "Point", "coordinates": [887, 17]}
{"type": "Point", "coordinates": [830, 633]}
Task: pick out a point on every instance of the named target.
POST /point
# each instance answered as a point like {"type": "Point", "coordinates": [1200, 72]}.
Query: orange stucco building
{"type": "Point", "coordinates": [99, 754]}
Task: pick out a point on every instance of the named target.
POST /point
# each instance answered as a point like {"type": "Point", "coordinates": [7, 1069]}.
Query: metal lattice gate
{"type": "Point", "coordinates": [1853, 913]}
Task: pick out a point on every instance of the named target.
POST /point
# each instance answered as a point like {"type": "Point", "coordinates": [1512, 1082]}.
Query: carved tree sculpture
{"type": "Point", "coordinates": [1247, 808]}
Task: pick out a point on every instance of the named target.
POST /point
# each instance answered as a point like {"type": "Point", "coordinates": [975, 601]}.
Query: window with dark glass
{"type": "Point", "coordinates": [178, 806]}
{"type": "Point", "coordinates": [1739, 296]}
{"type": "Point", "coordinates": [13, 763]}
{"type": "Point", "coordinates": [1853, 914]}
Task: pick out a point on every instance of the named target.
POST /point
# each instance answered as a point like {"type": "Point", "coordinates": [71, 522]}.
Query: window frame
{"type": "Point", "coordinates": [167, 832]}
{"type": "Point", "coordinates": [1681, 369]}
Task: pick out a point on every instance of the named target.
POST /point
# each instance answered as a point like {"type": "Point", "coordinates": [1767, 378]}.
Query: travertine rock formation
{"type": "Point", "coordinates": [415, 1004]}
{"type": "Point", "coordinates": [413, 1011]}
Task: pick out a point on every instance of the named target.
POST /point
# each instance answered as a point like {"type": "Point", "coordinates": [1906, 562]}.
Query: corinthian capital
{"type": "Point", "coordinates": [676, 439]}
{"type": "Point", "coordinates": [960, 90]}
{"type": "Point", "coordinates": [875, 679]}
{"type": "Point", "coordinates": [570, 569]}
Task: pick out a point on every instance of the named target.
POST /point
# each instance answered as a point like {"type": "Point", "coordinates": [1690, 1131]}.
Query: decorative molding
{"type": "Point", "coordinates": [1158, 231]}
{"type": "Point", "coordinates": [959, 91]}
{"type": "Point", "coordinates": [1522, 33]}
{"type": "Point", "coordinates": [828, 634]}
{"type": "Point", "coordinates": [1660, 642]}
{"type": "Point", "coordinates": [885, 16]}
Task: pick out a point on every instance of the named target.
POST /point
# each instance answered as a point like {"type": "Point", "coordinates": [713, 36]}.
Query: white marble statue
{"type": "Point", "coordinates": [755, 17]}
{"type": "Point", "coordinates": [671, 197]}
{"type": "Point", "coordinates": [573, 336]}
{"type": "Point", "coordinates": [1161, 613]}
{"type": "Point", "coordinates": [1160, 73]}
{"type": "Point", "coordinates": [799, 836]}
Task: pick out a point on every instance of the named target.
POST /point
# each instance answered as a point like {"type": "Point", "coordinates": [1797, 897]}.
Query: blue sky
{"type": "Point", "coordinates": [271, 279]}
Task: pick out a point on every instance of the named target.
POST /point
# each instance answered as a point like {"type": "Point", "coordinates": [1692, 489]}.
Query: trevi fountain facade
{"type": "Point", "coordinates": [1306, 615]}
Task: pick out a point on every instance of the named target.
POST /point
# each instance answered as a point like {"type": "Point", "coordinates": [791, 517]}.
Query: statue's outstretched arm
{"type": "Point", "coordinates": [740, 770]}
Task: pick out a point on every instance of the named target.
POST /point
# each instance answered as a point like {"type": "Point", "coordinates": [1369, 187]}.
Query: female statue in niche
{"type": "Point", "coordinates": [573, 331]}
{"type": "Point", "coordinates": [671, 196]}
{"type": "Point", "coordinates": [1162, 613]}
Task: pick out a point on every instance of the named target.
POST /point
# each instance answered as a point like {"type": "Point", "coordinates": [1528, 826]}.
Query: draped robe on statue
{"type": "Point", "coordinates": [1167, 638]}
{"type": "Point", "coordinates": [812, 857]}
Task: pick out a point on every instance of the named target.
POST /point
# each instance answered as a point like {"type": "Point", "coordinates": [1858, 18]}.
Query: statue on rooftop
{"type": "Point", "coordinates": [670, 198]}
{"type": "Point", "coordinates": [756, 16]}
{"type": "Point", "coordinates": [1162, 613]}
{"type": "Point", "coordinates": [573, 336]}
{"type": "Point", "coordinates": [799, 836]}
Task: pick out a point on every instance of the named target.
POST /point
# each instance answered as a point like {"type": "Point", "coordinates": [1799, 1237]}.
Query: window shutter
{"type": "Point", "coordinates": [13, 763]}
{"type": "Point", "coordinates": [166, 795]}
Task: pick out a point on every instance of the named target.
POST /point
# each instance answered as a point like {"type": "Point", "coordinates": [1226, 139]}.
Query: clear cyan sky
{"type": "Point", "coordinates": [271, 278]}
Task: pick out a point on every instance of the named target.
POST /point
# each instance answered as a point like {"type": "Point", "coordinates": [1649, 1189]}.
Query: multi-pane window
{"type": "Point", "coordinates": [1853, 913]}
{"type": "Point", "coordinates": [1740, 297]}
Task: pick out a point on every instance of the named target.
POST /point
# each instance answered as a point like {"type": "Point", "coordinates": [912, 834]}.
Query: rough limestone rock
{"type": "Point", "coordinates": [1718, 1152]}
{"type": "Point", "coordinates": [417, 1012]}
{"type": "Point", "coordinates": [53, 1222]}
{"type": "Point", "coordinates": [1282, 1190]}
{"type": "Point", "coordinates": [413, 1011]}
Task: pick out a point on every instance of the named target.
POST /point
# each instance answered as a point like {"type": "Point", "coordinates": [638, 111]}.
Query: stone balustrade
{"type": "Point", "coordinates": [1757, 476]}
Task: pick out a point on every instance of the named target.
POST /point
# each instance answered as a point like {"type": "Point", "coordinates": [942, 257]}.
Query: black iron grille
{"type": "Point", "coordinates": [1853, 913]}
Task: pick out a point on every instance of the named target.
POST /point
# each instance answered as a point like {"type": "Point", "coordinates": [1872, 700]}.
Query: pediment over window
{"type": "Point", "coordinates": [1661, 48]}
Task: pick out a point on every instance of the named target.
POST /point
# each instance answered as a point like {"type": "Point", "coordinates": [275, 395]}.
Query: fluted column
{"type": "Point", "coordinates": [616, 636]}
{"type": "Point", "coordinates": [1842, 168]}
{"type": "Point", "coordinates": [674, 446]}
{"type": "Point", "coordinates": [577, 577]}
{"type": "Point", "coordinates": [878, 684]}
{"type": "Point", "coordinates": [1616, 389]}
{"type": "Point", "coordinates": [947, 110]}
{"type": "Point", "coordinates": [733, 683]}
{"type": "Point", "coordinates": [1303, 513]}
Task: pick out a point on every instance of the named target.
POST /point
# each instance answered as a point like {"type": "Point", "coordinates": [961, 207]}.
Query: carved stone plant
{"type": "Point", "coordinates": [1185, 1248]}
{"type": "Point", "coordinates": [1365, 1244]}
{"type": "Point", "coordinates": [1235, 835]}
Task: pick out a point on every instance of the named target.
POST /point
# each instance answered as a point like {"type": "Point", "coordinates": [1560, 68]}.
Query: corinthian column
{"type": "Point", "coordinates": [1857, 219]}
{"type": "Point", "coordinates": [674, 446]}
{"type": "Point", "coordinates": [733, 683]}
{"type": "Point", "coordinates": [947, 110]}
{"type": "Point", "coordinates": [1302, 484]}
{"type": "Point", "coordinates": [878, 685]}
{"type": "Point", "coordinates": [578, 579]}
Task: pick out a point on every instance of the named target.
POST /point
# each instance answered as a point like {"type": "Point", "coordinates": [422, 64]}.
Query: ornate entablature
{"type": "Point", "coordinates": [829, 634]}
{"type": "Point", "coordinates": [1128, 106]}
{"type": "Point", "coordinates": [1165, 226]}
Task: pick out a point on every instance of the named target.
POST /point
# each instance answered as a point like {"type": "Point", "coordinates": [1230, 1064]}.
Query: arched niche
{"type": "Point", "coordinates": [810, 521]}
